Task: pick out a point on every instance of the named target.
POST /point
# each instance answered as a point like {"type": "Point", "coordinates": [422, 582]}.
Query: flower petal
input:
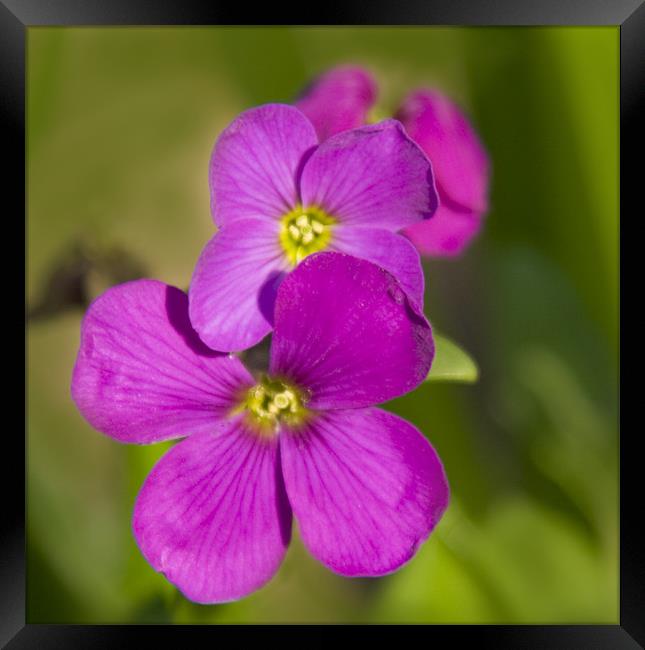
{"type": "Point", "coordinates": [142, 374]}
{"type": "Point", "coordinates": [387, 249]}
{"type": "Point", "coordinates": [448, 233]}
{"type": "Point", "coordinates": [346, 332]}
{"type": "Point", "coordinates": [233, 288]}
{"type": "Point", "coordinates": [255, 163]}
{"type": "Point", "coordinates": [213, 515]}
{"type": "Point", "coordinates": [372, 176]}
{"type": "Point", "coordinates": [458, 158]}
{"type": "Point", "coordinates": [366, 489]}
{"type": "Point", "coordinates": [338, 100]}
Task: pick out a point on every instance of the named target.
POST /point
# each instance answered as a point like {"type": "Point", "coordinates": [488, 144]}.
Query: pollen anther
{"type": "Point", "coordinates": [272, 402]}
{"type": "Point", "coordinates": [305, 231]}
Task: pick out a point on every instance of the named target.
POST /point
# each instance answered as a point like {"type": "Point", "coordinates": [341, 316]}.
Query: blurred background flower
{"type": "Point", "coordinates": [121, 123]}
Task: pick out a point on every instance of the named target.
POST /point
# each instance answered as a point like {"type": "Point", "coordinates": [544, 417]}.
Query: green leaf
{"type": "Point", "coordinates": [451, 363]}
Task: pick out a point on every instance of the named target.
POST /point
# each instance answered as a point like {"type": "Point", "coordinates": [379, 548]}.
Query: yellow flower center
{"type": "Point", "coordinates": [272, 402]}
{"type": "Point", "coordinates": [305, 231]}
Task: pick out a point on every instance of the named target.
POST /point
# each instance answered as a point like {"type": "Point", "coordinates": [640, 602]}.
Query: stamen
{"type": "Point", "coordinates": [281, 400]}
{"type": "Point", "coordinates": [305, 232]}
{"type": "Point", "coordinates": [273, 402]}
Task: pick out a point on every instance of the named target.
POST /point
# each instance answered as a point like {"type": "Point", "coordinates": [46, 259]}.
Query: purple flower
{"type": "Point", "coordinates": [342, 98]}
{"type": "Point", "coordinates": [278, 196]}
{"type": "Point", "coordinates": [214, 515]}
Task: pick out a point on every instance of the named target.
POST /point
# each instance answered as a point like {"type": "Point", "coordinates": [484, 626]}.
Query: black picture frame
{"type": "Point", "coordinates": [17, 15]}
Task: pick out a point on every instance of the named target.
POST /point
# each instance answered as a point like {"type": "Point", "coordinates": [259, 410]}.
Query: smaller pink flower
{"type": "Point", "coordinates": [342, 98]}
{"type": "Point", "coordinates": [278, 195]}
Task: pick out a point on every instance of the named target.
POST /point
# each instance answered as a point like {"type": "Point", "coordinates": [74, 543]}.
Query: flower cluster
{"type": "Point", "coordinates": [318, 216]}
{"type": "Point", "coordinates": [344, 98]}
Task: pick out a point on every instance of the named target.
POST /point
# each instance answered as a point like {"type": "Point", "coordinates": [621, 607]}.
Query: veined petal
{"type": "Point", "coordinates": [213, 515]}
{"type": "Point", "coordinates": [387, 249]}
{"type": "Point", "coordinates": [255, 163]}
{"type": "Point", "coordinates": [372, 176]}
{"type": "Point", "coordinates": [232, 292]}
{"type": "Point", "coordinates": [366, 489]}
{"type": "Point", "coordinates": [142, 374]}
{"type": "Point", "coordinates": [447, 234]}
{"type": "Point", "coordinates": [345, 331]}
{"type": "Point", "coordinates": [458, 158]}
{"type": "Point", "coordinates": [338, 100]}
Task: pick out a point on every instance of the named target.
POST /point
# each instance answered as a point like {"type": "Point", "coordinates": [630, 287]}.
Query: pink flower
{"type": "Point", "coordinates": [342, 98]}
{"type": "Point", "coordinates": [215, 514]}
{"type": "Point", "coordinates": [278, 196]}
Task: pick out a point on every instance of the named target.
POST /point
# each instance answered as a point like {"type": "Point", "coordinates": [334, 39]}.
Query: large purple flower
{"type": "Point", "coordinates": [342, 98]}
{"type": "Point", "coordinates": [214, 515]}
{"type": "Point", "coordinates": [277, 196]}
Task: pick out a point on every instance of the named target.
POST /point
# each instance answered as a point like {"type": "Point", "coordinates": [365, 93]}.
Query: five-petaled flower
{"type": "Point", "coordinates": [278, 196]}
{"type": "Point", "coordinates": [215, 513]}
{"type": "Point", "coordinates": [343, 98]}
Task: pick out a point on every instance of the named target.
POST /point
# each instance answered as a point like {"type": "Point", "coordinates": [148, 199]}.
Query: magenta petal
{"type": "Point", "coordinates": [234, 284]}
{"type": "Point", "coordinates": [345, 331]}
{"type": "Point", "coordinates": [387, 249]}
{"type": "Point", "coordinates": [338, 100]}
{"type": "Point", "coordinates": [213, 515]}
{"type": "Point", "coordinates": [142, 374]}
{"type": "Point", "coordinates": [373, 176]}
{"type": "Point", "coordinates": [446, 234]}
{"type": "Point", "coordinates": [366, 489]}
{"type": "Point", "coordinates": [458, 158]}
{"type": "Point", "coordinates": [255, 162]}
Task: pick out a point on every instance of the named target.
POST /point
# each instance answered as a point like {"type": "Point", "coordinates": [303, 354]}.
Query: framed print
{"type": "Point", "coordinates": [322, 321]}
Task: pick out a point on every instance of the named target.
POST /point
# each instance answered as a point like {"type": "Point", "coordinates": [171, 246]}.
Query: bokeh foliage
{"type": "Point", "coordinates": [120, 127]}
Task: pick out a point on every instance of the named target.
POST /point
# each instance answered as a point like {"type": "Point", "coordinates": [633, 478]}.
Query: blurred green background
{"type": "Point", "coordinates": [121, 123]}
